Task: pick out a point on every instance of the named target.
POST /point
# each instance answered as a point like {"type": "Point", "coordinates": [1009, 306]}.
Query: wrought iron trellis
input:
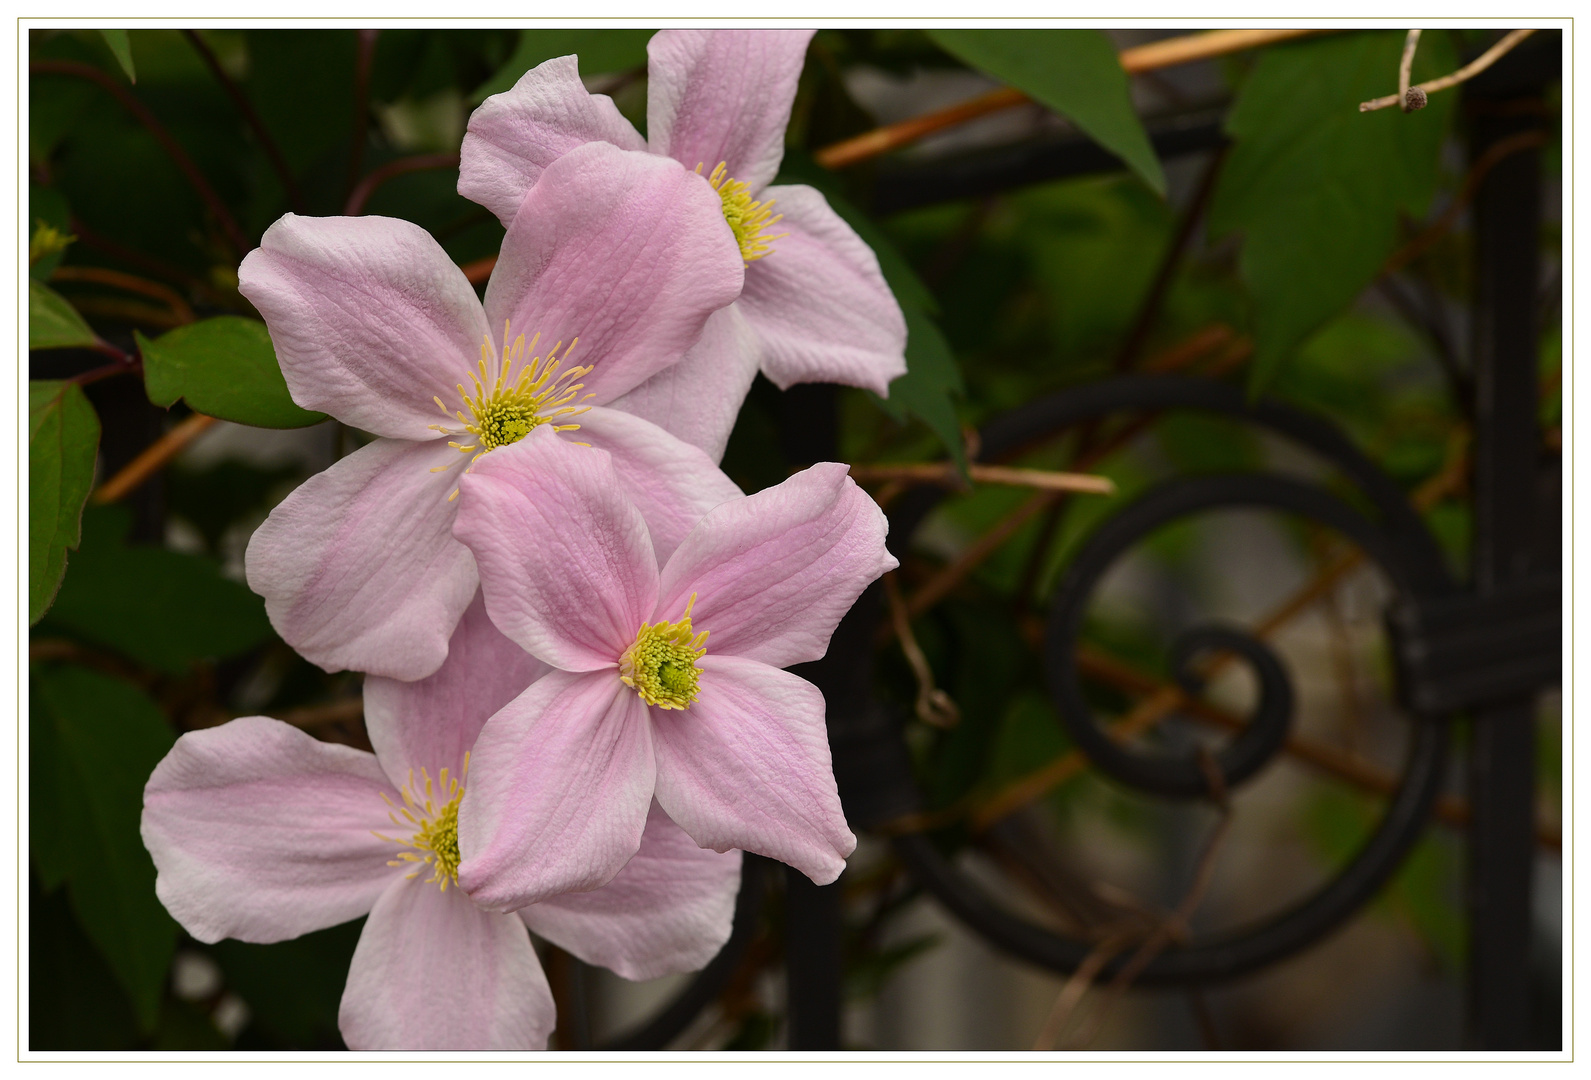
{"type": "Point", "coordinates": [1480, 649]}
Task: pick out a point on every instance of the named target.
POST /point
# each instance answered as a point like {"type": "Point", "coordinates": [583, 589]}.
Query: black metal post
{"type": "Point", "coordinates": [1507, 216]}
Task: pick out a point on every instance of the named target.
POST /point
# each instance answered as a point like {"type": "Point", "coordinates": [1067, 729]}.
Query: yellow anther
{"type": "Point", "coordinates": [661, 664]}
{"type": "Point", "coordinates": [748, 220]}
{"type": "Point", "coordinates": [437, 840]}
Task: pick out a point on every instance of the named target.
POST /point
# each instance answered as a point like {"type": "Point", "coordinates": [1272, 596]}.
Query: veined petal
{"type": "Point", "coordinates": [434, 972]}
{"type": "Point", "coordinates": [699, 398]}
{"type": "Point", "coordinates": [565, 560]}
{"type": "Point", "coordinates": [559, 785]}
{"type": "Point", "coordinates": [627, 251]}
{"type": "Point", "coordinates": [431, 723]}
{"type": "Point", "coordinates": [774, 573]}
{"type": "Point", "coordinates": [819, 302]}
{"type": "Point", "coordinates": [724, 95]}
{"type": "Point", "coordinates": [359, 568]}
{"type": "Point", "coordinates": [748, 766]}
{"type": "Point", "coordinates": [671, 482]}
{"type": "Point", "coordinates": [515, 135]}
{"type": "Point", "coordinates": [370, 318]}
{"type": "Point", "coordinates": [262, 833]}
{"type": "Point", "coordinates": [669, 909]}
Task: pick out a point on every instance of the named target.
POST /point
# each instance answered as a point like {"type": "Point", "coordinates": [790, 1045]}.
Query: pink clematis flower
{"type": "Point", "coordinates": [815, 306]}
{"type": "Point", "coordinates": [668, 682]}
{"type": "Point", "coordinates": [262, 833]}
{"type": "Point", "coordinates": [616, 260]}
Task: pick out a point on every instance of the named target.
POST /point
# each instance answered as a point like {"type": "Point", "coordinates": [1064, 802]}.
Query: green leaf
{"type": "Point", "coordinates": [1315, 186]}
{"type": "Point", "coordinates": [75, 1001]}
{"type": "Point", "coordinates": [162, 608]}
{"type": "Point", "coordinates": [49, 220]}
{"type": "Point", "coordinates": [600, 51]}
{"type": "Point", "coordinates": [63, 439]}
{"type": "Point", "coordinates": [52, 322]}
{"type": "Point", "coordinates": [224, 367]}
{"type": "Point", "coordinates": [122, 48]}
{"type": "Point", "coordinates": [1075, 72]}
{"type": "Point", "coordinates": [109, 737]}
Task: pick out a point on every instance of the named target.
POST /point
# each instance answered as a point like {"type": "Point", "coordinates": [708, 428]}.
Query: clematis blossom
{"type": "Point", "coordinates": [607, 276]}
{"type": "Point", "coordinates": [815, 306]}
{"type": "Point", "coordinates": [262, 833]}
{"type": "Point", "coordinates": [667, 681]}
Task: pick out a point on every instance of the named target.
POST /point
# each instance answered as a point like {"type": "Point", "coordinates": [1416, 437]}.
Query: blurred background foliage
{"type": "Point", "coordinates": [1307, 258]}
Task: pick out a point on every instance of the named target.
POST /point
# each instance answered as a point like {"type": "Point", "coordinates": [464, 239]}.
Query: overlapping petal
{"type": "Point", "coordinates": [431, 723]}
{"type": "Point", "coordinates": [698, 399]}
{"type": "Point", "coordinates": [566, 561]}
{"type": "Point", "coordinates": [724, 95]}
{"type": "Point", "coordinates": [627, 251]}
{"type": "Point", "coordinates": [774, 573]}
{"type": "Point", "coordinates": [559, 785]}
{"type": "Point", "coordinates": [262, 833]}
{"type": "Point", "coordinates": [434, 972]}
{"type": "Point", "coordinates": [358, 566]}
{"type": "Point", "coordinates": [819, 302]}
{"type": "Point", "coordinates": [515, 135]}
{"type": "Point", "coordinates": [370, 318]}
{"type": "Point", "coordinates": [748, 766]}
{"type": "Point", "coordinates": [672, 483]}
{"type": "Point", "coordinates": [670, 909]}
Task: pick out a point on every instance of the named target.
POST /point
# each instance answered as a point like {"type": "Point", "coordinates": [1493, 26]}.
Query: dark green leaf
{"type": "Point", "coordinates": [52, 322]}
{"type": "Point", "coordinates": [224, 367]}
{"type": "Point", "coordinates": [1315, 186]}
{"type": "Point", "coordinates": [159, 607]}
{"type": "Point", "coordinates": [108, 738]}
{"type": "Point", "coordinates": [122, 49]}
{"type": "Point", "coordinates": [600, 51]}
{"type": "Point", "coordinates": [74, 999]}
{"type": "Point", "coordinates": [47, 210]}
{"type": "Point", "coordinates": [63, 439]}
{"type": "Point", "coordinates": [1075, 72]}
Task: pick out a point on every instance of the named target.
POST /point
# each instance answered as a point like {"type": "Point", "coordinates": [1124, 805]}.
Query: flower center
{"type": "Point", "coordinates": [661, 664]}
{"type": "Point", "coordinates": [748, 220]}
{"type": "Point", "coordinates": [436, 840]}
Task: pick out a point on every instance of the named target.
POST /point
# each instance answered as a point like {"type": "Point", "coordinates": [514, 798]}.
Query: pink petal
{"type": "Point", "coordinates": [370, 318]}
{"type": "Point", "coordinates": [559, 784]}
{"type": "Point", "coordinates": [819, 302]}
{"type": "Point", "coordinates": [431, 723]}
{"type": "Point", "coordinates": [699, 398]}
{"type": "Point", "coordinates": [774, 573]}
{"type": "Point", "coordinates": [515, 135]}
{"type": "Point", "coordinates": [669, 910]}
{"type": "Point", "coordinates": [359, 568]}
{"type": "Point", "coordinates": [262, 833]}
{"type": "Point", "coordinates": [434, 972]}
{"type": "Point", "coordinates": [565, 560]}
{"type": "Point", "coordinates": [672, 483]}
{"type": "Point", "coordinates": [747, 766]}
{"type": "Point", "coordinates": [627, 251]}
{"type": "Point", "coordinates": [724, 95]}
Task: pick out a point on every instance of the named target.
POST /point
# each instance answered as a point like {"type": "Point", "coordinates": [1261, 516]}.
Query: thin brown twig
{"type": "Point", "coordinates": [99, 275]}
{"type": "Point", "coordinates": [364, 56]}
{"type": "Point", "coordinates": [479, 271]}
{"type": "Point", "coordinates": [418, 163]}
{"type": "Point", "coordinates": [934, 706]}
{"type": "Point", "coordinates": [1072, 993]}
{"type": "Point", "coordinates": [273, 153]}
{"type": "Point", "coordinates": [153, 458]}
{"type": "Point", "coordinates": [1463, 74]}
{"type": "Point", "coordinates": [1411, 42]}
{"type": "Point", "coordinates": [947, 475]}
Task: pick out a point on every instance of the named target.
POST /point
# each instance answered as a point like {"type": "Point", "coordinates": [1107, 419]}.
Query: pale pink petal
{"type": "Point", "coordinates": [565, 560]}
{"type": "Point", "coordinates": [432, 723]}
{"type": "Point", "coordinates": [819, 302]}
{"type": "Point", "coordinates": [515, 135]}
{"type": "Point", "coordinates": [627, 251]}
{"type": "Point", "coordinates": [559, 784]}
{"type": "Point", "coordinates": [671, 482]}
{"type": "Point", "coordinates": [359, 568]}
{"type": "Point", "coordinates": [699, 398]}
{"type": "Point", "coordinates": [747, 766]}
{"type": "Point", "coordinates": [669, 910]}
{"type": "Point", "coordinates": [774, 573]}
{"type": "Point", "coordinates": [724, 95]}
{"type": "Point", "coordinates": [434, 972]}
{"type": "Point", "coordinates": [370, 318]}
{"type": "Point", "coordinates": [262, 833]}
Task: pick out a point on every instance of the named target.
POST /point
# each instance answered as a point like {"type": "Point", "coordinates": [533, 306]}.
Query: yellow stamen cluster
{"type": "Point", "coordinates": [505, 409]}
{"type": "Point", "coordinates": [661, 664]}
{"type": "Point", "coordinates": [747, 219]}
{"type": "Point", "coordinates": [437, 840]}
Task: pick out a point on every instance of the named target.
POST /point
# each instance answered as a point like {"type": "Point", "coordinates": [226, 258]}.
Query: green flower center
{"type": "Point", "coordinates": [661, 664]}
